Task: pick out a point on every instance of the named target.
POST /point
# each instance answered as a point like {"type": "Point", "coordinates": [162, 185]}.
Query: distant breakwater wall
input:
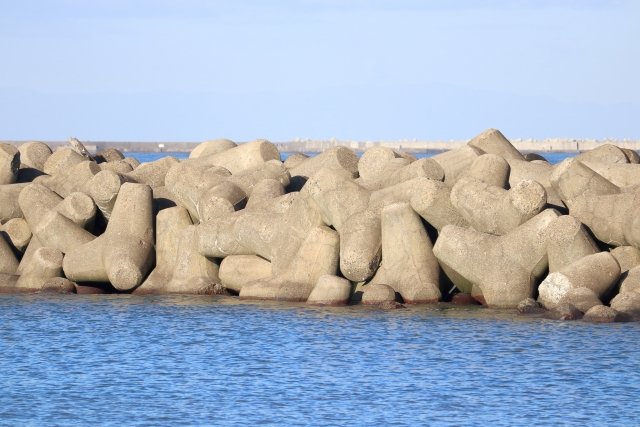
{"type": "Point", "coordinates": [317, 146]}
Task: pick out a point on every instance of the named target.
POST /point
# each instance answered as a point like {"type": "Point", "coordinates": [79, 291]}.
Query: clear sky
{"type": "Point", "coordinates": [190, 70]}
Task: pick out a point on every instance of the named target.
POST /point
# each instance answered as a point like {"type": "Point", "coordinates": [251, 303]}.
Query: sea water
{"type": "Point", "coordinates": [211, 360]}
{"type": "Point", "coordinates": [553, 158]}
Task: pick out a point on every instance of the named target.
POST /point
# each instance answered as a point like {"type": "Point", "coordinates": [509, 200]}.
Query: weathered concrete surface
{"type": "Point", "coordinates": [124, 254]}
{"type": "Point", "coordinates": [330, 290]}
{"type": "Point", "coordinates": [409, 265]}
{"type": "Point", "coordinates": [239, 270]}
{"type": "Point", "coordinates": [598, 272]}
{"type": "Point", "coordinates": [567, 242]}
{"type": "Point", "coordinates": [504, 268]}
{"type": "Point", "coordinates": [317, 256]}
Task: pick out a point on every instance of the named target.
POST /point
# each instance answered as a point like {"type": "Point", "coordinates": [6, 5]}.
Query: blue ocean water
{"type": "Point", "coordinates": [553, 158]}
{"type": "Point", "coordinates": [178, 360]}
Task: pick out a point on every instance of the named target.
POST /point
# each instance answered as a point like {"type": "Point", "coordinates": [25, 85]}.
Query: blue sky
{"type": "Point", "coordinates": [189, 70]}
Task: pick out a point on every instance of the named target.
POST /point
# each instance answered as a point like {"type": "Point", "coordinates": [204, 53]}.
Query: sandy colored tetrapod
{"type": "Point", "coordinates": [34, 154]}
{"type": "Point", "coordinates": [124, 254]}
{"type": "Point", "coordinates": [494, 210]}
{"type": "Point", "coordinates": [567, 242]}
{"type": "Point", "coordinates": [193, 273]}
{"type": "Point", "coordinates": [76, 178]}
{"type": "Point", "coordinates": [245, 156]}
{"type": "Point", "coordinates": [409, 265]}
{"type": "Point", "coordinates": [491, 169]}
{"type": "Point", "coordinates": [120, 166]}
{"type": "Point", "coordinates": [582, 298]}
{"type": "Point", "coordinates": [504, 268]}
{"type": "Point", "coordinates": [433, 204]}
{"type": "Point", "coordinates": [608, 153]}
{"type": "Point", "coordinates": [628, 304]}
{"type": "Point", "coordinates": [79, 208]}
{"type": "Point", "coordinates": [10, 206]}
{"type": "Point", "coordinates": [492, 141]}
{"type": "Point", "coordinates": [220, 200]}
{"type": "Point", "coordinates": [265, 190]}
{"type": "Point", "coordinates": [620, 174]}
{"type": "Point", "coordinates": [572, 179]}
{"type": "Point", "coordinates": [627, 257]}
{"type": "Point", "coordinates": [294, 160]}
{"type": "Point", "coordinates": [8, 261]}
{"type": "Point", "coordinates": [330, 290]}
{"type": "Point", "coordinates": [104, 188]}
{"type": "Point", "coordinates": [210, 147]}
{"type": "Point", "coordinates": [378, 162]}
{"type": "Point", "coordinates": [170, 223]}
{"type": "Point", "coordinates": [377, 293]}
{"type": "Point", "coordinates": [613, 218]}
{"type": "Point", "coordinates": [62, 160]}
{"type": "Point", "coordinates": [153, 173]}
{"type": "Point", "coordinates": [238, 270]}
{"type": "Point", "coordinates": [17, 232]}
{"type": "Point", "coordinates": [108, 155]}
{"type": "Point", "coordinates": [337, 158]}
{"type": "Point", "coordinates": [45, 264]}
{"type": "Point", "coordinates": [248, 178]}
{"type": "Point", "coordinates": [598, 272]}
{"type": "Point", "coordinates": [51, 227]}
{"type": "Point", "coordinates": [9, 164]}
{"type": "Point", "coordinates": [539, 171]}
{"type": "Point", "coordinates": [456, 162]}
{"type": "Point", "coordinates": [318, 255]}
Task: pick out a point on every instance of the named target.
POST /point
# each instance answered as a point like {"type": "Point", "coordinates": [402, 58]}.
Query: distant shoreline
{"type": "Point", "coordinates": [313, 146]}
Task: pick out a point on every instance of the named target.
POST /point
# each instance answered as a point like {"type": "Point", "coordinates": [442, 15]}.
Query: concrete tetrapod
{"type": "Point", "coordinates": [76, 178]}
{"type": "Point", "coordinates": [567, 242]}
{"type": "Point", "coordinates": [9, 164]}
{"type": "Point", "coordinates": [539, 171]}
{"type": "Point", "coordinates": [330, 290]}
{"type": "Point", "coordinates": [245, 156]}
{"type": "Point", "coordinates": [494, 210]}
{"type": "Point", "coordinates": [377, 163]}
{"type": "Point", "coordinates": [492, 141]}
{"type": "Point", "coordinates": [193, 273]}
{"type": "Point", "coordinates": [124, 254]}
{"type": "Point", "coordinates": [17, 233]}
{"type": "Point", "coordinates": [456, 162]}
{"type": "Point", "coordinates": [318, 255]}
{"type": "Point", "coordinates": [104, 188]}
{"type": "Point", "coordinates": [620, 174]}
{"type": "Point", "coordinates": [409, 264]}
{"type": "Point", "coordinates": [46, 264]}
{"type": "Point", "coordinates": [613, 218]}
{"type": "Point", "coordinates": [210, 147]}
{"type": "Point", "coordinates": [264, 191]}
{"type": "Point", "coordinates": [8, 261]}
{"type": "Point", "coordinates": [10, 207]}
{"type": "Point", "coordinates": [170, 223]}
{"type": "Point", "coordinates": [598, 272]}
{"type": "Point", "coordinates": [34, 154]}
{"type": "Point", "coordinates": [433, 204]}
{"type": "Point", "coordinates": [491, 169]}
{"type": "Point", "coordinates": [337, 158]}
{"type": "Point", "coordinates": [51, 227]}
{"type": "Point", "coordinates": [153, 173]}
{"type": "Point", "coordinates": [62, 160]}
{"type": "Point", "coordinates": [572, 179]}
{"type": "Point", "coordinates": [239, 270]}
{"type": "Point", "coordinates": [504, 268]}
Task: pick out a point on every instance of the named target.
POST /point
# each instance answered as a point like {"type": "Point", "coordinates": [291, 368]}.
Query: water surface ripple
{"type": "Point", "coordinates": [128, 360]}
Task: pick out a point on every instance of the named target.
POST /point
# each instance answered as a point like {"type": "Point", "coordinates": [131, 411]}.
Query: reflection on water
{"type": "Point", "coordinates": [116, 359]}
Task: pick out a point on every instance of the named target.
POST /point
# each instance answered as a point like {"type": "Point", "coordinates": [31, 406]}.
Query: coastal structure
{"type": "Point", "coordinates": [481, 223]}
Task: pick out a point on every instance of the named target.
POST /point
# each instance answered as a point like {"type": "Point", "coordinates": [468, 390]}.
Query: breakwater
{"type": "Point", "coordinates": [481, 223]}
{"type": "Point", "coordinates": [550, 145]}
